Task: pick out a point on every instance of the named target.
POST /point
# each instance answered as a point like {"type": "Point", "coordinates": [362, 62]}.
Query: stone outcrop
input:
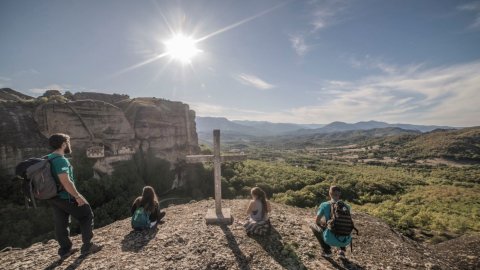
{"type": "Point", "coordinates": [105, 127]}
{"type": "Point", "coordinates": [7, 94]}
{"type": "Point", "coordinates": [19, 135]}
{"type": "Point", "coordinates": [163, 126]}
{"type": "Point", "coordinates": [88, 122]}
{"type": "Point", "coordinates": [109, 98]}
{"type": "Point", "coordinates": [184, 241]}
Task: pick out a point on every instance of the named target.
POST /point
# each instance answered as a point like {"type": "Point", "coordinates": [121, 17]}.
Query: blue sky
{"type": "Point", "coordinates": [281, 61]}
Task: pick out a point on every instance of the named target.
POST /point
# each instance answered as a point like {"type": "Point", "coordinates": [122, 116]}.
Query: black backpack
{"type": "Point", "coordinates": [39, 181]}
{"type": "Point", "coordinates": [340, 223]}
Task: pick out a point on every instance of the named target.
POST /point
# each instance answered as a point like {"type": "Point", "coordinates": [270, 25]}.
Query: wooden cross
{"type": "Point", "coordinates": [219, 216]}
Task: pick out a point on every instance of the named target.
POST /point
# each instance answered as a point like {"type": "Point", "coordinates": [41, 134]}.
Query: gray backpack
{"type": "Point", "coordinates": [43, 185]}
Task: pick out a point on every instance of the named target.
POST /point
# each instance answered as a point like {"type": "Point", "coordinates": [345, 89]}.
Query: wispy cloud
{"type": "Point", "coordinates": [26, 73]}
{"type": "Point", "coordinates": [214, 110]}
{"type": "Point", "coordinates": [299, 45]}
{"type": "Point", "coordinates": [41, 90]}
{"type": "Point", "coordinates": [4, 81]}
{"type": "Point", "coordinates": [324, 13]}
{"type": "Point", "coordinates": [372, 63]}
{"type": "Point", "coordinates": [369, 62]}
{"type": "Point", "coordinates": [321, 14]}
{"type": "Point", "coordinates": [446, 95]}
{"type": "Point", "coordinates": [252, 80]}
{"type": "Point", "coordinates": [473, 7]}
{"type": "Point", "coordinates": [443, 95]}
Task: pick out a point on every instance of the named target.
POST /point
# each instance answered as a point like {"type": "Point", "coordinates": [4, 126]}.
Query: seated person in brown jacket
{"type": "Point", "coordinates": [149, 202]}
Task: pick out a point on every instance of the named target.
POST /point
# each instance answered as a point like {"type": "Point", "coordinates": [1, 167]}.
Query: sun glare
{"type": "Point", "coordinates": [181, 48]}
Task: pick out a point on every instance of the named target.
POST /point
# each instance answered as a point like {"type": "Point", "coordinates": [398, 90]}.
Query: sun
{"type": "Point", "coordinates": [181, 48]}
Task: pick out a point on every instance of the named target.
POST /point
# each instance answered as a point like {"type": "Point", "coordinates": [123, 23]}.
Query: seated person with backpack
{"type": "Point", "coordinates": [258, 222]}
{"type": "Point", "coordinates": [333, 224]}
{"type": "Point", "coordinates": [146, 210]}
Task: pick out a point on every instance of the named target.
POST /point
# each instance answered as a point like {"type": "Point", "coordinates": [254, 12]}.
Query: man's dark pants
{"type": "Point", "coordinates": [62, 209]}
{"type": "Point", "coordinates": [318, 232]}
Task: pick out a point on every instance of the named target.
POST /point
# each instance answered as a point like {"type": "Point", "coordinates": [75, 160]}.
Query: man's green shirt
{"type": "Point", "coordinates": [61, 165]}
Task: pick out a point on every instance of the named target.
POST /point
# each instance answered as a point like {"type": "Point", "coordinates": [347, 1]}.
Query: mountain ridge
{"type": "Point", "coordinates": [245, 128]}
{"type": "Point", "coordinates": [338, 126]}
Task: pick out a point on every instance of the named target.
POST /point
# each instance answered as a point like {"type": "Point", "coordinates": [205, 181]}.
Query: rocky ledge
{"type": "Point", "coordinates": [184, 241]}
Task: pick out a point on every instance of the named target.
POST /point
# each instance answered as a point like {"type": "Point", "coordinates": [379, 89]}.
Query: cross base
{"type": "Point", "coordinates": [224, 218]}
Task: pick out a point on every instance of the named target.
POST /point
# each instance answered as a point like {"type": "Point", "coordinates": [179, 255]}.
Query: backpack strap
{"type": "Point", "coordinates": [332, 212]}
{"type": "Point", "coordinates": [54, 175]}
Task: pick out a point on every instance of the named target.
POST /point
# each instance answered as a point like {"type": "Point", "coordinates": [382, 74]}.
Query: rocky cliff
{"type": "Point", "coordinates": [184, 241]}
{"type": "Point", "coordinates": [104, 127]}
{"type": "Point", "coordinates": [163, 126]}
{"type": "Point", "coordinates": [19, 134]}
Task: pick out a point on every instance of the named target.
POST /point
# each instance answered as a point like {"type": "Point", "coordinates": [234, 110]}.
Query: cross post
{"type": "Point", "coordinates": [219, 216]}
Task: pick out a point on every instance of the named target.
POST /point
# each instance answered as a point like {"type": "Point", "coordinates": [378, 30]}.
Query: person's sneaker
{"type": "Point", "coordinates": [66, 254]}
{"type": "Point", "coordinates": [327, 254]}
{"type": "Point", "coordinates": [341, 254]}
{"type": "Point", "coordinates": [90, 249]}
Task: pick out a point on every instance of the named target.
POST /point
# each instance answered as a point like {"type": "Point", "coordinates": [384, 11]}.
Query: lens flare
{"type": "Point", "coordinates": [181, 48]}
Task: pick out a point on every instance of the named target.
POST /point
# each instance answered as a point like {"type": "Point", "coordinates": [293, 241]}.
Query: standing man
{"type": "Point", "coordinates": [69, 201]}
{"type": "Point", "coordinates": [333, 224]}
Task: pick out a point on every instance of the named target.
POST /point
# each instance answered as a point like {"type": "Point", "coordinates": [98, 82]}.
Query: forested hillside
{"type": "Point", "coordinates": [432, 203]}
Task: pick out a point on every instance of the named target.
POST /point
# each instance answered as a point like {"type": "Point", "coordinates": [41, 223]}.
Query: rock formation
{"type": "Point", "coordinates": [106, 127]}
{"type": "Point", "coordinates": [7, 94]}
{"type": "Point", "coordinates": [109, 98]}
{"type": "Point", "coordinates": [164, 126]}
{"type": "Point", "coordinates": [184, 241]}
{"type": "Point", "coordinates": [19, 135]}
{"type": "Point", "coordinates": [88, 122]}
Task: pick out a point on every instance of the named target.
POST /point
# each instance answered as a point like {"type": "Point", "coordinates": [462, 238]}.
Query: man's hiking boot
{"type": "Point", "coordinates": [90, 249]}
{"type": "Point", "coordinates": [327, 254]}
{"type": "Point", "coordinates": [66, 254]}
{"type": "Point", "coordinates": [341, 254]}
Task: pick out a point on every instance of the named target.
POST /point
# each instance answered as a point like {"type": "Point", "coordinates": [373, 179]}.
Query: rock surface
{"type": "Point", "coordinates": [165, 127]}
{"type": "Point", "coordinates": [7, 94]}
{"type": "Point", "coordinates": [184, 241]}
{"type": "Point", "coordinates": [19, 134]}
{"type": "Point", "coordinates": [87, 122]}
{"type": "Point", "coordinates": [108, 127]}
{"type": "Point", "coordinates": [109, 98]}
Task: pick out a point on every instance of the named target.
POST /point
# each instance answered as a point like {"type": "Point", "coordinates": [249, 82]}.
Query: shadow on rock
{"type": "Point", "coordinates": [241, 259]}
{"type": "Point", "coordinates": [74, 265]}
{"type": "Point", "coordinates": [54, 264]}
{"type": "Point", "coordinates": [284, 254]}
{"type": "Point", "coordinates": [136, 240]}
{"type": "Point", "coordinates": [344, 264]}
{"type": "Point", "coordinates": [347, 264]}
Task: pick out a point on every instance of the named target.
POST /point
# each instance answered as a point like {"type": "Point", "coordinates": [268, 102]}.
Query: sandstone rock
{"type": "Point", "coordinates": [7, 94]}
{"type": "Point", "coordinates": [109, 98]}
{"type": "Point", "coordinates": [94, 120]}
{"type": "Point", "coordinates": [87, 122]}
{"type": "Point", "coordinates": [166, 127]}
{"type": "Point", "coordinates": [19, 136]}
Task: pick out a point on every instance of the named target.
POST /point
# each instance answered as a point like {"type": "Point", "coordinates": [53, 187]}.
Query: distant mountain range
{"type": "Point", "coordinates": [236, 128]}
{"type": "Point", "coordinates": [205, 125]}
{"type": "Point", "coordinates": [342, 126]}
{"type": "Point", "coordinates": [405, 141]}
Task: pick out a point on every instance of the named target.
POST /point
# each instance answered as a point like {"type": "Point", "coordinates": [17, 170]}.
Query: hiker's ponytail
{"type": "Point", "coordinates": [149, 200]}
{"type": "Point", "coordinates": [260, 195]}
